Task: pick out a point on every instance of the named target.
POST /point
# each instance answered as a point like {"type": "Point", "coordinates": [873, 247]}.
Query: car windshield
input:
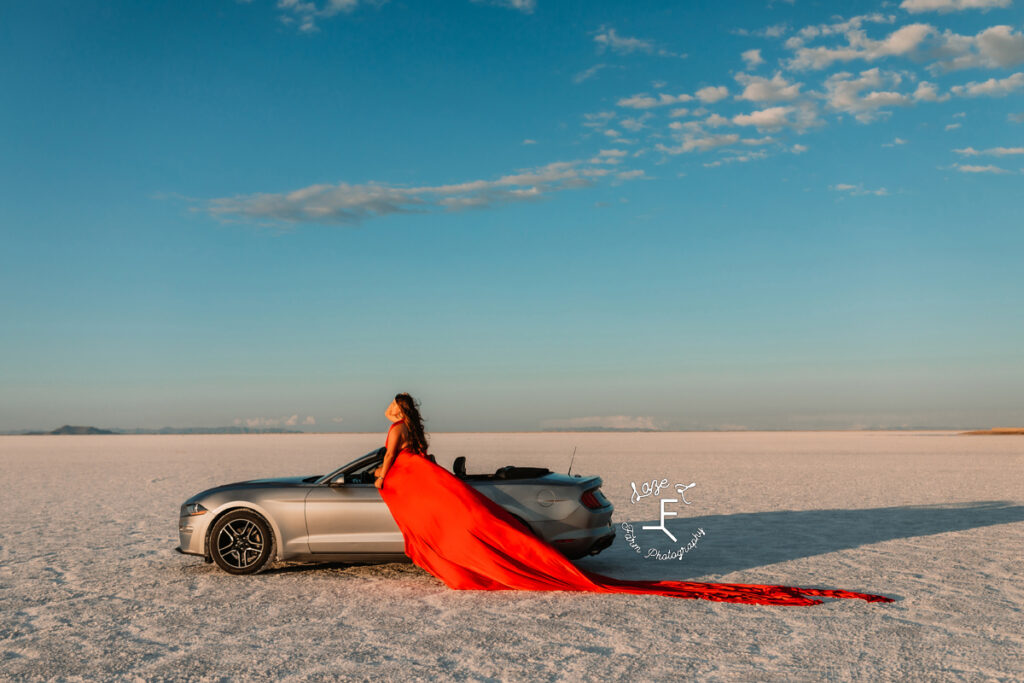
{"type": "Point", "coordinates": [362, 466]}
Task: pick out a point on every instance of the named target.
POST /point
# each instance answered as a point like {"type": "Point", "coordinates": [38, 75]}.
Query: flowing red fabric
{"type": "Point", "coordinates": [470, 542]}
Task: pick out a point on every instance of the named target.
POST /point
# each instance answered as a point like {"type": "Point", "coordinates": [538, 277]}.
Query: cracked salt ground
{"type": "Point", "coordinates": [90, 586]}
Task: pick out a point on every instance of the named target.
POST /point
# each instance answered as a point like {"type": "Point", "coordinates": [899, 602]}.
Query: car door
{"type": "Point", "coordinates": [351, 518]}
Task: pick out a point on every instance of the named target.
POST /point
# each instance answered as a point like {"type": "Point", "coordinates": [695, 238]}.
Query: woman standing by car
{"type": "Point", "coordinates": [471, 543]}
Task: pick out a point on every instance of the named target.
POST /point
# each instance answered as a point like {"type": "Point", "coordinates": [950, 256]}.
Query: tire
{"type": "Point", "coordinates": [241, 542]}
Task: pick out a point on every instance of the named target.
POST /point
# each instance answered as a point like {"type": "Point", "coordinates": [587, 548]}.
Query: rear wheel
{"type": "Point", "coordinates": [241, 542]}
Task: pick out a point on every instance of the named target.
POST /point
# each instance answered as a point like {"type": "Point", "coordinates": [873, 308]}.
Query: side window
{"type": "Point", "coordinates": [364, 474]}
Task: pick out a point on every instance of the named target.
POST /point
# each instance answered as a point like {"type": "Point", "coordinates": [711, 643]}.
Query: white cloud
{"type": "Point", "coordinates": [952, 126]}
{"type": "Point", "coordinates": [645, 101]}
{"type": "Point", "coordinates": [602, 422]}
{"type": "Point", "coordinates": [857, 190]}
{"type": "Point", "coordinates": [914, 6]}
{"type": "Point", "coordinates": [902, 41]}
{"type": "Point", "coordinates": [337, 419]}
{"type": "Point", "coordinates": [712, 94]}
{"type": "Point", "coordinates": [608, 38]}
{"type": "Point", "coordinates": [737, 158]}
{"type": "Point", "coordinates": [274, 422]}
{"type": "Point", "coordinates": [845, 93]}
{"type": "Point", "coordinates": [896, 142]}
{"type": "Point", "coordinates": [928, 92]}
{"type": "Point", "coordinates": [752, 58]}
{"type": "Point", "coordinates": [608, 156]}
{"type": "Point", "coordinates": [524, 6]}
{"type": "Point", "coordinates": [772, 118]}
{"type": "Point", "coordinates": [528, 141]}
{"type": "Point", "coordinates": [773, 31]}
{"type": "Point", "coordinates": [840, 27]}
{"type": "Point", "coordinates": [798, 149]}
{"type": "Point", "coordinates": [775, 89]}
{"type": "Point", "coordinates": [994, 47]}
{"type": "Point", "coordinates": [681, 111]}
{"type": "Point", "coordinates": [629, 175]}
{"type": "Point", "coordinates": [699, 142]}
{"type": "Point", "coordinates": [351, 204]}
{"type": "Point", "coordinates": [968, 168]}
{"type": "Point", "coordinates": [994, 151]}
{"type": "Point", "coordinates": [1015, 117]}
{"type": "Point", "coordinates": [598, 119]}
{"type": "Point", "coordinates": [634, 124]}
{"type": "Point", "coordinates": [305, 13]}
{"type": "Point", "coordinates": [587, 74]}
{"type": "Point", "coordinates": [993, 87]}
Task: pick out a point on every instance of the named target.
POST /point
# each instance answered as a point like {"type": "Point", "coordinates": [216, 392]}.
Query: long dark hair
{"type": "Point", "coordinates": [414, 420]}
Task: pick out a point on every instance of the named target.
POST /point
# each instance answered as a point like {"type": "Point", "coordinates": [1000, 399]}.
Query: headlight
{"type": "Point", "coordinates": [192, 509]}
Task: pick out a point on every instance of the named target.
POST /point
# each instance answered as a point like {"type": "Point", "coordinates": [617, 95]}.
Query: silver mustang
{"type": "Point", "coordinates": [341, 516]}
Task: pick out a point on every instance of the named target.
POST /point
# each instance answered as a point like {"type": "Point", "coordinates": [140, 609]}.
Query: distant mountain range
{"type": "Point", "coordinates": [72, 429]}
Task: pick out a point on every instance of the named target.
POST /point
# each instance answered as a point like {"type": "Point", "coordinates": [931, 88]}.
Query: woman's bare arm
{"type": "Point", "coordinates": [395, 437]}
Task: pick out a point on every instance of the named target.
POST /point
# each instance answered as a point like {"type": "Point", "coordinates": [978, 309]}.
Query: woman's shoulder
{"type": "Point", "coordinates": [399, 428]}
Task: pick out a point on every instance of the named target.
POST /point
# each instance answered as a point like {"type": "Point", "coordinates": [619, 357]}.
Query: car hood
{"type": "Point", "coordinates": [275, 482]}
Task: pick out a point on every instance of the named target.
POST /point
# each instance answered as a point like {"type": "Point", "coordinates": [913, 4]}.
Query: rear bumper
{"type": "Point", "coordinates": [578, 543]}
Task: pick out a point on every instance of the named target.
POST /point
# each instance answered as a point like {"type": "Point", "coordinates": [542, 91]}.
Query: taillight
{"type": "Point", "coordinates": [593, 499]}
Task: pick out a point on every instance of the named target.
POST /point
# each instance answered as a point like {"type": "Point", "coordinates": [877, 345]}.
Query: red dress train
{"type": "Point", "coordinates": [471, 543]}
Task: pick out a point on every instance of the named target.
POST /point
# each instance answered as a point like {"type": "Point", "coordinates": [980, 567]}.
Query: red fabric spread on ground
{"type": "Point", "coordinates": [470, 542]}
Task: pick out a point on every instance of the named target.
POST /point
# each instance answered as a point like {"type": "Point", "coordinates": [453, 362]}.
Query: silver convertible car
{"type": "Point", "coordinates": [341, 516]}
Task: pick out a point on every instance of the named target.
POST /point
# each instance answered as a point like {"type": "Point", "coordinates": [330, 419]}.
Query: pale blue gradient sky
{"type": "Point", "coordinates": [225, 212]}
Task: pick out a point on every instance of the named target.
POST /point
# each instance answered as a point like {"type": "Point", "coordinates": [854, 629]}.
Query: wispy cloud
{"type": "Point", "coordinates": [645, 101]}
{"type": "Point", "coordinates": [524, 6]}
{"type": "Point", "coordinates": [993, 151]}
{"type": "Point", "coordinates": [760, 89]}
{"type": "Point", "coordinates": [587, 74]}
{"type": "Point", "coordinates": [602, 422]}
{"type": "Point", "coordinates": [902, 41]}
{"type": "Point", "coordinates": [773, 31]}
{"type": "Point", "coordinates": [275, 422]}
{"type": "Point", "coordinates": [857, 190]}
{"type": "Point", "coordinates": [914, 6]}
{"type": "Point", "coordinates": [699, 142]}
{"type": "Point", "coordinates": [345, 203]}
{"type": "Point", "coordinates": [970, 168]}
{"type": "Point", "coordinates": [993, 87]}
{"type": "Point", "coordinates": [304, 13]}
{"type": "Point", "coordinates": [608, 39]}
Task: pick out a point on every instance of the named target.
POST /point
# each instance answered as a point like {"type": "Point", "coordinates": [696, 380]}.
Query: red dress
{"type": "Point", "coordinates": [471, 543]}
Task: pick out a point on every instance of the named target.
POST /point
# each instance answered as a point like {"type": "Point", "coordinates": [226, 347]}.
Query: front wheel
{"type": "Point", "coordinates": [240, 542]}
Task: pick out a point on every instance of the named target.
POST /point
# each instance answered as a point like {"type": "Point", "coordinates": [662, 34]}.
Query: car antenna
{"type": "Point", "coordinates": [571, 459]}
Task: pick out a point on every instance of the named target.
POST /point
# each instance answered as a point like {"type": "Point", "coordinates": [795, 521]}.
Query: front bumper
{"type": "Point", "coordinates": [192, 534]}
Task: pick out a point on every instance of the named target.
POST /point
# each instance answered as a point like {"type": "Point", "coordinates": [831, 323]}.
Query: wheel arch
{"type": "Point", "coordinates": [234, 506]}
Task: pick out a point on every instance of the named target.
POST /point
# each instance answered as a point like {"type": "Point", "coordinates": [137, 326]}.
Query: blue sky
{"type": "Point", "coordinates": [527, 214]}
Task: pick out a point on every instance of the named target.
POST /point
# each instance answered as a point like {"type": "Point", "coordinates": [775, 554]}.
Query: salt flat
{"type": "Point", "coordinates": [90, 585]}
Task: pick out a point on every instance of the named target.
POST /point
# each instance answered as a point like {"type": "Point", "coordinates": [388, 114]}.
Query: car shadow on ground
{"type": "Point", "coordinates": [743, 541]}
